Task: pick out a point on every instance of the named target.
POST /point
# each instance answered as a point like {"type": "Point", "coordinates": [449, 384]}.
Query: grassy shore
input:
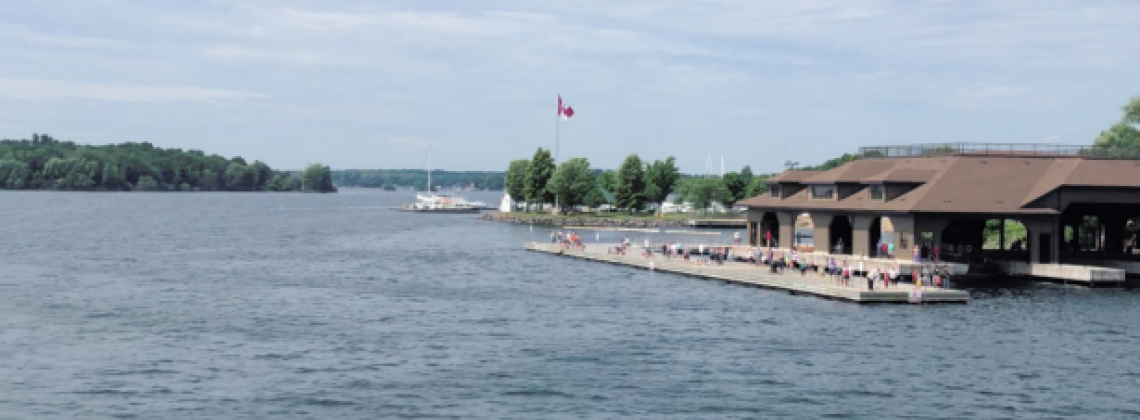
{"type": "Point", "coordinates": [614, 219]}
{"type": "Point", "coordinates": [624, 216]}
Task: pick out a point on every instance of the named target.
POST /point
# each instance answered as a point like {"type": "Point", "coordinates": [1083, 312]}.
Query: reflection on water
{"type": "Point", "coordinates": [304, 306]}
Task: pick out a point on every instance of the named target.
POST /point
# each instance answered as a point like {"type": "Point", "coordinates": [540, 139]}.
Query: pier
{"type": "Point", "coordinates": [811, 283]}
{"type": "Point", "coordinates": [1064, 273]}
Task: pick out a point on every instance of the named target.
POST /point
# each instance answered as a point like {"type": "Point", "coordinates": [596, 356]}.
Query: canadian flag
{"type": "Point", "coordinates": [564, 111]}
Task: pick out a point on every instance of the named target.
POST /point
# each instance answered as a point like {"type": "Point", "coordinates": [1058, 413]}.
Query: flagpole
{"type": "Point", "coordinates": [556, 118]}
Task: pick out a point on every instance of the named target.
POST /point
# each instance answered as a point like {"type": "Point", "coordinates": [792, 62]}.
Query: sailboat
{"type": "Point", "coordinates": [431, 202]}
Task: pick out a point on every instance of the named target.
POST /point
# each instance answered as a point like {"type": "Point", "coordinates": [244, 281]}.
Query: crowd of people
{"type": "Point", "coordinates": [875, 272]}
{"type": "Point", "coordinates": [567, 240]}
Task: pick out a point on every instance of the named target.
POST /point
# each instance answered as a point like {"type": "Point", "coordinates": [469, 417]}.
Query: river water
{"type": "Point", "coordinates": [211, 306]}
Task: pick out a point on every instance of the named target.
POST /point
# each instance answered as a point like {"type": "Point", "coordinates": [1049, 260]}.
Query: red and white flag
{"type": "Point", "coordinates": [564, 111]}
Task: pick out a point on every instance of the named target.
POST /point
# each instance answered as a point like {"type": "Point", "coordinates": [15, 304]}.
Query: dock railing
{"type": "Point", "coordinates": [1000, 150]}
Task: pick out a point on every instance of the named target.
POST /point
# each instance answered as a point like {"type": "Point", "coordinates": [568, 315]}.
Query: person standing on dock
{"type": "Point", "coordinates": [917, 253]}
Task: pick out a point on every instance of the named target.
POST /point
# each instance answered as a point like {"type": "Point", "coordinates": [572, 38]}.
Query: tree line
{"type": "Point", "coordinates": [379, 178]}
{"type": "Point", "coordinates": [45, 163]}
{"type": "Point", "coordinates": [631, 187]}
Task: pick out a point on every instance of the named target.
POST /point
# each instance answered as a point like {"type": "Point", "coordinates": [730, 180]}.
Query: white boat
{"type": "Point", "coordinates": [441, 203]}
{"type": "Point", "coordinates": [431, 202]}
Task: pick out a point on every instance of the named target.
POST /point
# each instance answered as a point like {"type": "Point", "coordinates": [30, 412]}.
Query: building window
{"type": "Point", "coordinates": [774, 191]}
{"type": "Point", "coordinates": [823, 192]}
{"type": "Point", "coordinates": [877, 193]}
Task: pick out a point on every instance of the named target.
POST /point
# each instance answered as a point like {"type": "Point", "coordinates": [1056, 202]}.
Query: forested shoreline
{"type": "Point", "coordinates": [634, 185]}
{"type": "Point", "coordinates": [45, 163]}
{"type": "Point", "coordinates": [417, 178]}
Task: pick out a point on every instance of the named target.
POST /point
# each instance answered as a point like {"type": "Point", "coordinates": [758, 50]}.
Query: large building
{"type": "Point", "coordinates": [1074, 202]}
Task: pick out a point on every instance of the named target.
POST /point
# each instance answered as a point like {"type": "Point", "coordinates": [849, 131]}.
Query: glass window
{"type": "Point", "coordinates": [823, 192]}
{"type": "Point", "coordinates": [774, 191]}
{"type": "Point", "coordinates": [877, 193]}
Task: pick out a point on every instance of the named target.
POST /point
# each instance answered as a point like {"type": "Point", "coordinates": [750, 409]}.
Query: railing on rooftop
{"type": "Point", "coordinates": [999, 150]}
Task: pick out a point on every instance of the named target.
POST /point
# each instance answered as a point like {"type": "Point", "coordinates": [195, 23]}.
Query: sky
{"type": "Point", "coordinates": [371, 84]}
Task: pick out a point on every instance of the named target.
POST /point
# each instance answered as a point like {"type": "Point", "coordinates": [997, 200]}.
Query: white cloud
{"type": "Point", "coordinates": [51, 89]}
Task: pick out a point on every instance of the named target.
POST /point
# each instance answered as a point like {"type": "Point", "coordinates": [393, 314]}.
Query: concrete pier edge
{"type": "Point", "coordinates": [760, 279]}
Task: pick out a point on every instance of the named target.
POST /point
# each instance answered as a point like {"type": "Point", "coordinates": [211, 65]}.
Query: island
{"type": "Point", "coordinates": [46, 163]}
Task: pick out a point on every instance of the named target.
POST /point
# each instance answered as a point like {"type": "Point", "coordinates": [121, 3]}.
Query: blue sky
{"type": "Point", "coordinates": [371, 84]}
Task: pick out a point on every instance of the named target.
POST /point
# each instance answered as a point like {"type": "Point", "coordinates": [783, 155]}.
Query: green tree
{"type": "Point", "coordinates": [539, 171]}
{"type": "Point", "coordinates": [208, 181]}
{"type": "Point", "coordinates": [746, 174]}
{"type": "Point", "coordinates": [1120, 134]}
{"type": "Point", "coordinates": [239, 177]}
{"type": "Point", "coordinates": [516, 179]}
{"type": "Point", "coordinates": [703, 191]}
{"type": "Point", "coordinates": [317, 178]}
{"type": "Point", "coordinates": [595, 198]}
{"type": "Point", "coordinates": [661, 180]}
{"type": "Point", "coordinates": [607, 181]}
{"type": "Point", "coordinates": [146, 183]}
{"type": "Point", "coordinates": [829, 164]}
{"type": "Point", "coordinates": [630, 184]}
{"type": "Point", "coordinates": [261, 174]}
{"type": "Point", "coordinates": [758, 186]}
{"type": "Point", "coordinates": [1132, 111]}
{"type": "Point", "coordinates": [1124, 132]}
{"type": "Point", "coordinates": [736, 186]}
{"type": "Point", "coordinates": [572, 182]}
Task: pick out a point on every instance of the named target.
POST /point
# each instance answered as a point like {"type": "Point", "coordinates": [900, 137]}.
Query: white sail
{"type": "Point", "coordinates": [506, 205]}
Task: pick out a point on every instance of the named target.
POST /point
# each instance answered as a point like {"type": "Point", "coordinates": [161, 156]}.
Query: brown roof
{"type": "Point", "coordinates": [962, 184]}
{"type": "Point", "coordinates": [793, 176]}
{"type": "Point", "coordinates": [903, 176]}
{"type": "Point", "coordinates": [855, 171]}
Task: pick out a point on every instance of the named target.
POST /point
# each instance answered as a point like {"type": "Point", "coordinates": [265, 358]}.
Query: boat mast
{"type": "Point", "coordinates": [430, 193]}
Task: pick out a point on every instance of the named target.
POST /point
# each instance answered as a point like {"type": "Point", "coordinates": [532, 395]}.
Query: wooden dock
{"type": "Point", "coordinates": [759, 276]}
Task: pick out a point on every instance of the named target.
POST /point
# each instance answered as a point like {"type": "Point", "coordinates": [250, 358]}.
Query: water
{"type": "Point", "coordinates": [209, 306]}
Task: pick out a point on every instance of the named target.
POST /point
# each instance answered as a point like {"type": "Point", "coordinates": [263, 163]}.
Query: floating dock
{"type": "Point", "coordinates": [812, 283]}
{"type": "Point", "coordinates": [1062, 273]}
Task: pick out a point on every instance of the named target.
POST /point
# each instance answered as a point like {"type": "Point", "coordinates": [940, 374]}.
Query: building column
{"type": "Point", "coordinates": [752, 218]}
{"type": "Point", "coordinates": [1034, 228]}
{"type": "Point", "coordinates": [904, 235]}
{"type": "Point", "coordinates": [787, 229]}
{"type": "Point", "coordinates": [861, 234]}
{"type": "Point", "coordinates": [821, 234]}
{"type": "Point", "coordinates": [1001, 235]}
